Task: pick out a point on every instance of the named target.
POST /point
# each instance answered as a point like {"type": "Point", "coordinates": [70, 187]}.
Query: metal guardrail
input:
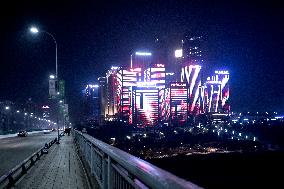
{"type": "Point", "coordinates": [114, 168]}
{"type": "Point", "coordinates": [8, 180]}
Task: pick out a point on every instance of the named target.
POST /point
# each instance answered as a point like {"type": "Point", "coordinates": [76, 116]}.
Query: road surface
{"type": "Point", "coordinates": [14, 150]}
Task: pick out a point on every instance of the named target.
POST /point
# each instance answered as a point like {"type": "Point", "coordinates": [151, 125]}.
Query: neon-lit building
{"type": "Point", "coordinates": [191, 72]}
{"type": "Point", "coordinates": [146, 96]}
{"type": "Point", "coordinates": [177, 99]}
{"type": "Point", "coordinates": [127, 79]}
{"type": "Point", "coordinates": [111, 104]}
{"type": "Point", "coordinates": [191, 75]}
{"type": "Point", "coordinates": [145, 104]}
{"type": "Point", "coordinates": [158, 75]}
{"type": "Point", "coordinates": [129, 98]}
{"type": "Point", "coordinates": [216, 92]}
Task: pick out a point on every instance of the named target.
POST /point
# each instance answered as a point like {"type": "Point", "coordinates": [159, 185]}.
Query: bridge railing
{"type": "Point", "coordinates": [114, 168]}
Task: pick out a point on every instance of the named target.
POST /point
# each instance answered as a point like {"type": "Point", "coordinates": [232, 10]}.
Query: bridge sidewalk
{"type": "Point", "coordinates": [60, 168]}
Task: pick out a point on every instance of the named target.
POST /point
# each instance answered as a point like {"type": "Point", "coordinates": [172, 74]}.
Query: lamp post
{"type": "Point", "coordinates": [35, 30]}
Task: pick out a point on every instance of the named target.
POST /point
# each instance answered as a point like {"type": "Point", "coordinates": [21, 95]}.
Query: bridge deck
{"type": "Point", "coordinates": [60, 168]}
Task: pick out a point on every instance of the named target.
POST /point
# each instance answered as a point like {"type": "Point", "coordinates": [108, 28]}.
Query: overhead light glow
{"type": "Point", "coordinates": [34, 30]}
{"type": "Point", "coordinates": [52, 77]}
{"type": "Point", "coordinates": [178, 53]}
{"type": "Point", "coordinates": [143, 53]}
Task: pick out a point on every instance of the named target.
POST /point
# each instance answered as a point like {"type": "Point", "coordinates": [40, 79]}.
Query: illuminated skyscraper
{"type": "Point", "coordinates": [145, 100]}
{"type": "Point", "coordinates": [145, 104]}
{"type": "Point", "coordinates": [216, 93]}
{"type": "Point", "coordinates": [191, 72]}
{"type": "Point", "coordinates": [178, 102]}
{"type": "Point", "coordinates": [127, 79]}
{"type": "Point", "coordinates": [112, 96]}
{"type": "Point", "coordinates": [192, 49]}
{"type": "Point", "coordinates": [91, 102]}
{"type": "Point", "coordinates": [102, 97]}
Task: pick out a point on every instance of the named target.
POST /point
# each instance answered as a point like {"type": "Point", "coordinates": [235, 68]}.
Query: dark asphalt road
{"type": "Point", "coordinates": [14, 150]}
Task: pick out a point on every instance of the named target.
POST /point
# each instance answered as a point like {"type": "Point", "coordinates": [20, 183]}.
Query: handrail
{"type": "Point", "coordinates": [10, 178]}
{"type": "Point", "coordinates": [150, 175]}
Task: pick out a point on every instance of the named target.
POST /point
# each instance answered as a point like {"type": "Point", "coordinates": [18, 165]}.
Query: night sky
{"type": "Point", "coordinates": [245, 38]}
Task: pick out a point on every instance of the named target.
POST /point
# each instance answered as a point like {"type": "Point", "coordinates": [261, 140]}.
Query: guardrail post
{"type": "Point", "coordinates": [86, 149]}
{"type": "Point", "coordinates": [37, 156]}
{"type": "Point", "coordinates": [92, 161]}
{"type": "Point", "coordinates": [109, 173]}
{"type": "Point", "coordinates": [32, 161]}
{"type": "Point", "coordinates": [24, 170]}
{"type": "Point", "coordinates": [11, 181]}
{"type": "Point", "coordinates": [104, 172]}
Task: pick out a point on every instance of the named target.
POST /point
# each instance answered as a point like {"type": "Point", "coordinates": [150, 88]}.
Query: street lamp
{"type": "Point", "coordinates": [36, 30]}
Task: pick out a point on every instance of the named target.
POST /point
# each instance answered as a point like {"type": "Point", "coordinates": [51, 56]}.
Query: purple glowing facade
{"type": "Point", "coordinates": [216, 92]}
{"type": "Point", "coordinates": [191, 75]}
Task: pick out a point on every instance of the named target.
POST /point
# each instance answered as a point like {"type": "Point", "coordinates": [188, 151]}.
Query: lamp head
{"type": "Point", "coordinates": [34, 30]}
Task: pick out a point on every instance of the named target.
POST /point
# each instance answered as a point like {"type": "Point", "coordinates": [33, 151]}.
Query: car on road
{"type": "Point", "coordinates": [46, 132]}
{"type": "Point", "coordinates": [22, 133]}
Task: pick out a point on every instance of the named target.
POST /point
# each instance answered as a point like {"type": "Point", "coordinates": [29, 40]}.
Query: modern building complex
{"type": "Point", "coordinates": [148, 93]}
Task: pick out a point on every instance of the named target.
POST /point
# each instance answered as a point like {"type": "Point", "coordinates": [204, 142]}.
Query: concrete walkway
{"type": "Point", "coordinates": [60, 168]}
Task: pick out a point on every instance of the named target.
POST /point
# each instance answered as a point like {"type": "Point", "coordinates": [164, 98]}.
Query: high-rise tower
{"type": "Point", "coordinates": [192, 49]}
{"type": "Point", "coordinates": [191, 72]}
